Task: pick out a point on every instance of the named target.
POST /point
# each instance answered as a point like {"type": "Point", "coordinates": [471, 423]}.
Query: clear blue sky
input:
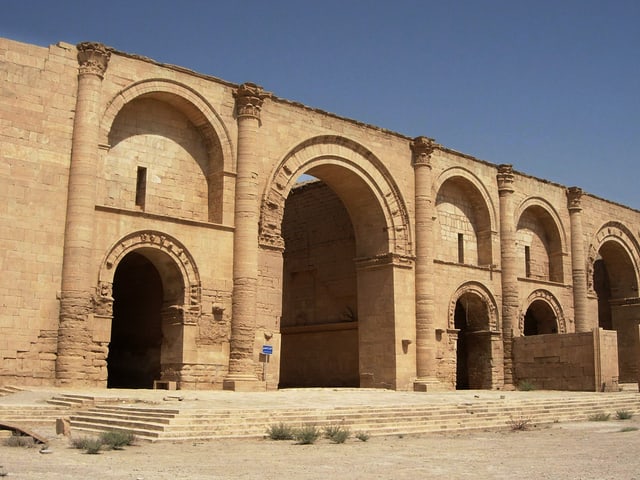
{"type": "Point", "coordinates": [552, 87]}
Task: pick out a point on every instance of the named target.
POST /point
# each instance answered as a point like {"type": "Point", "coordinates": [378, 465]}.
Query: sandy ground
{"type": "Point", "coordinates": [586, 450]}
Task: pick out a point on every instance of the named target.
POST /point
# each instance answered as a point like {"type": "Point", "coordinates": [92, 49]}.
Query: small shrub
{"type": "Point", "coordinates": [20, 441]}
{"type": "Point", "coordinates": [337, 433]}
{"type": "Point", "coordinates": [520, 423]}
{"type": "Point", "coordinates": [117, 439]}
{"type": "Point", "coordinates": [629, 429]}
{"type": "Point", "coordinates": [600, 417]}
{"type": "Point", "coordinates": [362, 436]}
{"type": "Point", "coordinates": [280, 431]}
{"type": "Point", "coordinates": [624, 415]}
{"type": "Point", "coordinates": [526, 386]}
{"type": "Point", "coordinates": [88, 444]}
{"type": "Point", "coordinates": [307, 434]}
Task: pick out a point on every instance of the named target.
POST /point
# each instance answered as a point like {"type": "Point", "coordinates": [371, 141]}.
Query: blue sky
{"type": "Point", "coordinates": [552, 87]}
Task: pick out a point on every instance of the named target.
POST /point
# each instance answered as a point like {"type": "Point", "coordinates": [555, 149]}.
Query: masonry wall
{"type": "Point", "coordinates": [179, 128]}
{"type": "Point", "coordinates": [576, 362]}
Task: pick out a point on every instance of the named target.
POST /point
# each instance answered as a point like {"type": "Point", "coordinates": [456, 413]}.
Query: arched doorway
{"type": "Point", "coordinates": [319, 323]}
{"type": "Point", "coordinates": [149, 290]}
{"type": "Point", "coordinates": [473, 347]}
{"type": "Point", "coordinates": [351, 274]}
{"type": "Point", "coordinates": [615, 285]}
{"type": "Point", "coordinates": [540, 319]}
{"type": "Point", "coordinates": [136, 333]}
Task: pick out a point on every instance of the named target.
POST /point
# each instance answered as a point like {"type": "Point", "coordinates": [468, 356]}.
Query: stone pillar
{"type": "Point", "coordinates": [76, 298]}
{"type": "Point", "coordinates": [509, 276]}
{"type": "Point", "coordinates": [242, 368]}
{"type": "Point", "coordinates": [426, 367]}
{"type": "Point", "coordinates": [578, 261]}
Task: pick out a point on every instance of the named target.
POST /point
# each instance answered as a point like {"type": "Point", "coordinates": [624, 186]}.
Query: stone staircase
{"type": "Point", "coordinates": [182, 424]}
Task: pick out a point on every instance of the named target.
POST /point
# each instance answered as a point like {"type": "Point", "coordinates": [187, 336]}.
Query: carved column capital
{"type": "Point", "coordinates": [93, 58]}
{"type": "Point", "coordinates": [249, 99]}
{"type": "Point", "coordinates": [574, 199]}
{"type": "Point", "coordinates": [505, 179]}
{"type": "Point", "coordinates": [422, 148]}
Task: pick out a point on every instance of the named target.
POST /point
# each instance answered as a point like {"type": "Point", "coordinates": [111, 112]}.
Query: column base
{"type": "Point", "coordinates": [429, 385]}
{"type": "Point", "coordinates": [244, 384]}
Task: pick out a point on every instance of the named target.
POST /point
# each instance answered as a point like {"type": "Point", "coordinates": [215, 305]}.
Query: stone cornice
{"type": "Point", "coordinates": [249, 99]}
{"type": "Point", "coordinates": [93, 58]}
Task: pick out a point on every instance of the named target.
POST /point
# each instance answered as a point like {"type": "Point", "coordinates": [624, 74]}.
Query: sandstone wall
{"type": "Point", "coordinates": [578, 362]}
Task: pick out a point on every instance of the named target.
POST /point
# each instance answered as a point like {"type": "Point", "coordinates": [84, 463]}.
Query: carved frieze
{"type": "Point", "coordinates": [93, 58]}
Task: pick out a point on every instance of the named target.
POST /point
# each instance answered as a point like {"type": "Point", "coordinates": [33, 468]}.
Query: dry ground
{"type": "Point", "coordinates": [587, 450]}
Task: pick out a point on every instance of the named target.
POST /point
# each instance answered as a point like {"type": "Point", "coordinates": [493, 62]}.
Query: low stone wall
{"type": "Point", "coordinates": [574, 361]}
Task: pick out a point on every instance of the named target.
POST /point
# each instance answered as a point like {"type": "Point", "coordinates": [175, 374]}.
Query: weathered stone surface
{"type": "Point", "coordinates": [149, 232]}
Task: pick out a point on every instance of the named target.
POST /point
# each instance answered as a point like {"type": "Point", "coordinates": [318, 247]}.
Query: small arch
{"type": "Point", "coordinates": [541, 313]}
{"type": "Point", "coordinates": [542, 240]}
{"type": "Point", "coordinates": [483, 295]}
{"type": "Point", "coordinates": [466, 217]}
{"type": "Point", "coordinates": [473, 325]}
{"type": "Point", "coordinates": [372, 192]}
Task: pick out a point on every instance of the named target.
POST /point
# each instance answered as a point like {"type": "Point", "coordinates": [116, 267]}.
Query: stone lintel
{"type": "Point", "coordinates": [385, 259]}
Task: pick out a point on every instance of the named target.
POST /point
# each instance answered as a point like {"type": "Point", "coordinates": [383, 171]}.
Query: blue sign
{"type": "Point", "coordinates": [267, 349]}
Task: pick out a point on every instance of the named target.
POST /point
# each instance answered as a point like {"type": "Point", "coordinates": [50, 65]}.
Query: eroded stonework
{"type": "Point", "coordinates": [157, 229]}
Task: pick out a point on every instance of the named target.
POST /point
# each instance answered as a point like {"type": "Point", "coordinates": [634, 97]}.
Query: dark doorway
{"type": "Point", "coordinates": [540, 319]}
{"type": "Point", "coordinates": [319, 305]}
{"type": "Point", "coordinates": [602, 286]}
{"type": "Point", "coordinates": [136, 334]}
{"type": "Point", "coordinates": [473, 348]}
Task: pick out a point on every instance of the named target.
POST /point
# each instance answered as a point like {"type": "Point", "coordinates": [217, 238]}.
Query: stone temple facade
{"type": "Point", "coordinates": [155, 229]}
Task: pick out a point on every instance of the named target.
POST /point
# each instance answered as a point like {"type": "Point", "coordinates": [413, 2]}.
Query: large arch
{"type": "Point", "coordinates": [179, 282]}
{"type": "Point", "coordinates": [215, 156]}
{"type": "Point", "coordinates": [474, 327]}
{"type": "Point", "coordinates": [466, 216]}
{"type": "Point", "coordinates": [613, 281]}
{"type": "Point", "coordinates": [541, 233]}
{"type": "Point", "coordinates": [381, 256]}
{"type": "Point", "coordinates": [339, 161]}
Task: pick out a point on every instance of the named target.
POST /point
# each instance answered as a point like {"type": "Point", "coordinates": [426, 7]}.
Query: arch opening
{"type": "Point", "coordinates": [473, 346]}
{"type": "Point", "coordinates": [465, 224]}
{"type": "Point", "coordinates": [319, 323]}
{"type": "Point", "coordinates": [540, 319]}
{"type": "Point", "coordinates": [615, 285]}
{"type": "Point", "coordinates": [540, 245]}
{"type": "Point", "coordinates": [136, 334]}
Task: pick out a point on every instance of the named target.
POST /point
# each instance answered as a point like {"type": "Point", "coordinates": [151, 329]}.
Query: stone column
{"type": "Point", "coordinates": [578, 260]}
{"type": "Point", "coordinates": [242, 368]}
{"type": "Point", "coordinates": [422, 148]}
{"type": "Point", "coordinates": [509, 275]}
{"type": "Point", "coordinates": [76, 298]}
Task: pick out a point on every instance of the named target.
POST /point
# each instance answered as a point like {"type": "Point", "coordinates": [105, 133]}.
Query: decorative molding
{"type": "Point", "coordinates": [505, 178]}
{"type": "Point", "coordinates": [341, 151]}
{"type": "Point", "coordinates": [190, 301]}
{"type": "Point", "coordinates": [574, 199]}
{"type": "Point", "coordinates": [422, 148]}
{"type": "Point", "coordinates": [479, 290]}
{"type": "Point", "coordinates": [249, 99]}
{"type": "Point", "coordinates": [93, 58]}
{"type": "Point", "coordinates": [386, 259]}
{"type": "Point", "coordinates": [551, 301]}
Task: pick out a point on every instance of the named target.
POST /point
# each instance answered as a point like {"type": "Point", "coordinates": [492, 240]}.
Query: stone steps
{"type": "Point", "coordinates": [195, 424]}
{"type": "Point", "coordinates": [32, 414]}
{"type": "Point", "coordinates": [8, 390]}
